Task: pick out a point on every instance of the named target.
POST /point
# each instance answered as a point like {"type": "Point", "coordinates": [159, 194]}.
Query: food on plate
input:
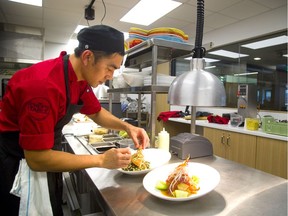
{"type": "Point", "coordinates": [179, 184]}
{"type": "Point", "coordinates": [138, 162]}
{"type": "Point", "coordinates": [100, 131]}
{"type": "Point", "coordinates": [93, 138]}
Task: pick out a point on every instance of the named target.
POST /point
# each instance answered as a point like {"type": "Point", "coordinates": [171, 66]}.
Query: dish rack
{"type": "Point", "coordinates": [271, 126]}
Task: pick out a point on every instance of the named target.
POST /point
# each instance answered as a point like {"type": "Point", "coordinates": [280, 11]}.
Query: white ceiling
{"type": "Point", "coordinates": [59, 18]}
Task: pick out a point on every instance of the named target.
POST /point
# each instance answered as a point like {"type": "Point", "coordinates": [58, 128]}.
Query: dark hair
{"type": "Point", "coordinates": [97, 54]}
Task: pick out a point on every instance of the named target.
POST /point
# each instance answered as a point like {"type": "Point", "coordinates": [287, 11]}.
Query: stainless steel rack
{"type": "Point", "coordinates": [151, 53]}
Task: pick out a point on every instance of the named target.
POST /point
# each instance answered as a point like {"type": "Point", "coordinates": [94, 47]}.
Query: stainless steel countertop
{"type": "Point", "coordinates": [241, 191]}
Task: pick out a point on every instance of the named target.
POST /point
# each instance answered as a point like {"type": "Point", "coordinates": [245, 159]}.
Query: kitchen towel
{"type": "Point", "coordinates": [169, 114]}
{"type": "Point", "coordinates": [32, 188]}
{"type": "Point", "coordinates": [217, 119]}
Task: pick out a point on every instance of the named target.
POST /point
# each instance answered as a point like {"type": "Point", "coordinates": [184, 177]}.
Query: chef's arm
{"type": "Point", "coordinates": [59, 161]}
{"type": "Point", "coordinates": [107, 120]}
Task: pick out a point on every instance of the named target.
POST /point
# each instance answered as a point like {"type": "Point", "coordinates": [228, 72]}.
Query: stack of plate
{"type": "Point", "coordinates": [135, 79]}
{"type": "Point", "coordinates": [161, 80]}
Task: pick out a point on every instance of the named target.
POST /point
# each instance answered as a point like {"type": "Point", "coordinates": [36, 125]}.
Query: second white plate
{"type": "Point", "coordinates": [156, 157]}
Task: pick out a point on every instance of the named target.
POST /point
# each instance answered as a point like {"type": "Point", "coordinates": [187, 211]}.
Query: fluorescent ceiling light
{"type": "Point", "coordinates": [228, 54]}
{"type": "Point", "coordinates": [210, 60]}
{"type": "Point", "coordinates": [209, 67]}
{"type": "Point", "coordinates": [148, 11]}
{"type": "Point", "coordinates": [267, 43]}
{"type": "Point", "coordinates": [29, 2]}
{"type": "Point", "coordinates": [257, 58]}
{"type": "Point", "coordinates": [285, 55]}
{"type": "Point", "coordinates": [246, 74]}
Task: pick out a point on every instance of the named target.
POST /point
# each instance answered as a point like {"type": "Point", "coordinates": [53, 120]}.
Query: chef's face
{"type": "Point", "coordinates": [100, 69]}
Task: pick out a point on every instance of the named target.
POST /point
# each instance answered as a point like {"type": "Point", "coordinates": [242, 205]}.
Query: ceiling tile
{"type": "Point", "coordinates": [272, 4]}
{"type": "Point", "coordinates": [244, 10]}
{"type": "Point", "coordinates": [217, 20]}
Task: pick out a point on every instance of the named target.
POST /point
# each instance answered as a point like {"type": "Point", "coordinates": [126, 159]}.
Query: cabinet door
{"type": "Point", "coordinates": [241, 148]}
{"type": "Point", "coordinates": [233, 146]}
{"type": "Point", "coordinates": [216, 137]}
{"type": "Point", "coordinates": [272, 156]}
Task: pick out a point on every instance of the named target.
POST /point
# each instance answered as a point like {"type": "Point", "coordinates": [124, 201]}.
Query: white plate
{"type": "Point", "coordinates": [208, 179]}
{"type": "Point", "coordinates": [156, 157]}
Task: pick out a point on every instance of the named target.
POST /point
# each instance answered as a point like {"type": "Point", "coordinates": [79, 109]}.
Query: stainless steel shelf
{"type": "Point", "coordinates": [151, 53]}
{"type": "Point", "coordinates": [141, 90]}
{"type": "Point", "coordinates": [139, 56]}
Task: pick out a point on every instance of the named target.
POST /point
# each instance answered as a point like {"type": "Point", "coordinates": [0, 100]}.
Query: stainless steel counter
{"type": "Point", "coordinates": [241, 191]}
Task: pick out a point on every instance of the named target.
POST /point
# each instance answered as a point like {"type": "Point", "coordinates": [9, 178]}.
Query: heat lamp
{"type": "Point", "coordinates": [197, 87]}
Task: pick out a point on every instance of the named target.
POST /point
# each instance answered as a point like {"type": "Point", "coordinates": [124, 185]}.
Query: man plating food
{"type": "Point", "coordinates": [41, 99]}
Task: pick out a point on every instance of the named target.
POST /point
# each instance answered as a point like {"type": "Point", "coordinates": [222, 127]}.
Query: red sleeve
{"type": "Point", "coordinates": [38, 114]}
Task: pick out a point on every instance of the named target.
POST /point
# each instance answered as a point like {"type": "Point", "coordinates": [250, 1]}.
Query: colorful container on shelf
{"type": "Point", "coordinates": [271, 126]}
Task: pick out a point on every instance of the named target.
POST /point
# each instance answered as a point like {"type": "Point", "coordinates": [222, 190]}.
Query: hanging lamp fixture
{"type": "Point", "coordinates": [197, 87]}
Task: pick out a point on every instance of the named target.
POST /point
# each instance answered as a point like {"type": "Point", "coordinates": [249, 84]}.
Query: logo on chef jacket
{"type": "Point", "coordinates": [39, 108]}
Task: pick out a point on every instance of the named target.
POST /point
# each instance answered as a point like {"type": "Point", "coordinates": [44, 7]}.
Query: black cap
{"type": "Point", "coordinates": [101, 38]}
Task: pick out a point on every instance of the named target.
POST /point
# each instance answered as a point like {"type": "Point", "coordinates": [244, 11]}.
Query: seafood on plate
{"type": "Point", "coordinates": [138, 162]}
{"type": "Point", "coordinates": [179, 183]}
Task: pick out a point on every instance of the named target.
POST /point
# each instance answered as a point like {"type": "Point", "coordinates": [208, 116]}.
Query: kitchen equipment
{"type": "Point", "coordinates": [185, 144]}
{"type": "Point", "coordinates": [247, 100]}
{"type": "Point", "coordinates": [236, 120]}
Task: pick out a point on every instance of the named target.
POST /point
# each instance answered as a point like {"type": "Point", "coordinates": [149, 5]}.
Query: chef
{"type": "Point", "coordinates": [41, 99]}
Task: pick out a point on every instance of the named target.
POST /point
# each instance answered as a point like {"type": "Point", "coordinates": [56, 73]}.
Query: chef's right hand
{"type": "Point", "coordinates": [116, 158]}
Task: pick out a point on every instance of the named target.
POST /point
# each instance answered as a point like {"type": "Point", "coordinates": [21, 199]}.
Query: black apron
{"type": "Point", "coordinates": [11, 154]}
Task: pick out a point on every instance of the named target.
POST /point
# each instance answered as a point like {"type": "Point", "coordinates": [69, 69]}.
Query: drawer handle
{"type": "Point", "coordinates": [222, 139]}
{"type": "Point", "coordinates": [227, 140]}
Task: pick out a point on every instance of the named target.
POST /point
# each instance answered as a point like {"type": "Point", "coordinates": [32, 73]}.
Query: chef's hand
{"type": "Point", "coordinates": [139, 137]}
{"type": "Point", "coordinates": [116, 158]}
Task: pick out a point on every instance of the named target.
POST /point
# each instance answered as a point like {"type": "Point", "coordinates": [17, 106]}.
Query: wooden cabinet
{"type": "Point", "coordinates": [233, 146]}
{"type": "Point", "coordinates": [271, 156]}
{"type": "Point", "coordinates": [262, 153]}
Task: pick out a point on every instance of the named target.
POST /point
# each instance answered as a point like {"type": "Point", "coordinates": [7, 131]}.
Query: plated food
{"type": "Point", "coordinates": [155, 157]}
{"type": "Point", "coordinates": [138, 162]}
{"type": "Point", "coordinates": [199, 179]}
{"type": "Point", "coordinates": [179, 184]}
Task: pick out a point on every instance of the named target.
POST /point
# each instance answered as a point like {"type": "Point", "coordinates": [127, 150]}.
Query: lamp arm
{"type": "Point", "coordinates": [199, 51]}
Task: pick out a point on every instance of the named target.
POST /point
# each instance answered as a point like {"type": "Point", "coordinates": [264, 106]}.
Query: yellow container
{"type": "Point", "coordinates": [252, 123]}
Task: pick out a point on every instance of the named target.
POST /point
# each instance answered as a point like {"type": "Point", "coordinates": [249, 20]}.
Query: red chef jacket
{"type": "Point", "coordinates": [35, 100]}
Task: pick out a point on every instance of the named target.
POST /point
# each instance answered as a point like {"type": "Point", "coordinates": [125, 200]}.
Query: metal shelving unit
{"type": "Point", "coordinates": [151, 53]}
